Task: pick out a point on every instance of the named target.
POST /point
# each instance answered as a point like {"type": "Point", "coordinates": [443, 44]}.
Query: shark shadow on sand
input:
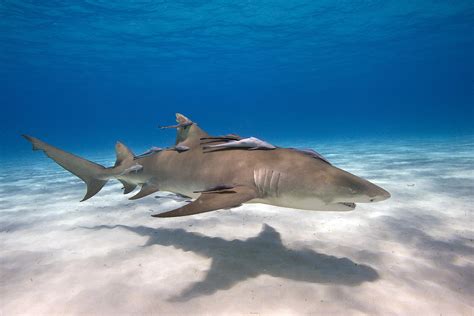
{"type": "Point", "coordinates": [234, 261]}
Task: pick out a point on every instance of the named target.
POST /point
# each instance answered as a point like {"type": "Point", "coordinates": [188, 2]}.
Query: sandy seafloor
{"type": "Point", "coordinates": [410, 255]}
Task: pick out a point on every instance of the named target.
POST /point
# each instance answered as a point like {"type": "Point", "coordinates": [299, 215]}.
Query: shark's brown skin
{"type": "Point", "coordinates": [282, 177]}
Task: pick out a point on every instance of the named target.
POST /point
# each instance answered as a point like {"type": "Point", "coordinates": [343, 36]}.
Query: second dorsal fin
{"type": "Point", "coordinates": [123, 153]}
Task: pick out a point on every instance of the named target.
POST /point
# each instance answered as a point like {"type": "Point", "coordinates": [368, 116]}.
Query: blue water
{"type": "Point", "coordinates": [383, 89]}
{"type": "Point", "coordinates": [83, 74]}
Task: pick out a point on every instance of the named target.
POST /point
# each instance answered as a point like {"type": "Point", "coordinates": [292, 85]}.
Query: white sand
{"type": "Point", "coordinates": [410, 255]}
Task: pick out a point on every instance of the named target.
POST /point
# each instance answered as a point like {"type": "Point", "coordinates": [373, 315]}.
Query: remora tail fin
{"type": "Point", "coordinates": [94, 175]}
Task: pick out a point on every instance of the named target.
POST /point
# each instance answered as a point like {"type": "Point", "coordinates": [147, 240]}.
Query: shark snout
{"type": "Point", "coordinates": [367, 192]}
{"type": "Point", "coordinates": [379, 194]}
{"type": "Point", "coordinates": [353, 189]}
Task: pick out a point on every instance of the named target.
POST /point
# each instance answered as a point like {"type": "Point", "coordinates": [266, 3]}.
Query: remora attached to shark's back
{"type": "Point", "coordinates": [223, 172]}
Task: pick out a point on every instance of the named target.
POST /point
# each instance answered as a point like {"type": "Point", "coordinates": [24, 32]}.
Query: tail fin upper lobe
{"type": "Point", "coordinates": [94, 175]}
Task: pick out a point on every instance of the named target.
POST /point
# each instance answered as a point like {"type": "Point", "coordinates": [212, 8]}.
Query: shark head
{"type": "Point", "coordinates": [348, 189]}
{"type": "Point", "coordinates": [320, 186]}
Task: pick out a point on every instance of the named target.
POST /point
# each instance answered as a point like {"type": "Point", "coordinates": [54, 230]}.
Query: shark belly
{"type": "Point", "coordinates": [304, 204]}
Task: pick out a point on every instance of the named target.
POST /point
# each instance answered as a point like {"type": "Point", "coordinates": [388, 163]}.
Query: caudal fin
{"type": "Point", "coordinates": [94, 175]}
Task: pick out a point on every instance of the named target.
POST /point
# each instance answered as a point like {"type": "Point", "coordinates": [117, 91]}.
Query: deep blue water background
{"type": "Point", "coordinates": [83, 74]}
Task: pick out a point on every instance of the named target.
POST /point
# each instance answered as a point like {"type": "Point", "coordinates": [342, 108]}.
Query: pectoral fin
{"type": "Point", "coordinates": [213, 201]}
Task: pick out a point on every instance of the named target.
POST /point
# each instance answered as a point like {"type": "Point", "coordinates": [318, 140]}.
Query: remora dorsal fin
{"type": "Point", "coordinates": [213, 201]}
{"type": "Point", "coordinates": [147, 189]}
{"type": "Point", "coordinates": [123, 153]}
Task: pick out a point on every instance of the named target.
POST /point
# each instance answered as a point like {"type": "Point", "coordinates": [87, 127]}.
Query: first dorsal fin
{"type": "Point", "coordinates": [123, 153]}
{"type": "Point", "coordinates": [182, 120]}
{"type": "Point", "coordinates": [188, 133]}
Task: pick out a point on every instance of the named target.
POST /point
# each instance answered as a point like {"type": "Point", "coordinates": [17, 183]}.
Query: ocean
{"type": "Point", "coordinates": [383, 90]}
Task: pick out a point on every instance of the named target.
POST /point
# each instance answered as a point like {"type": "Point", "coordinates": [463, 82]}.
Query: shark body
{"type": "Point", "coordinates": [245, 171]}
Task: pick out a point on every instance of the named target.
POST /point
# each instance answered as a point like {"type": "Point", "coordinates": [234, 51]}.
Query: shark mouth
{"type": "Point", "coordinates": [350, 205]}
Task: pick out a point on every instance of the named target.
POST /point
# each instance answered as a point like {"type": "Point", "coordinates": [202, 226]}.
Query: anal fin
{"type": "Point", "coordinates": [213, 201]}
{"type": "Point", "coordinates": [127, 186]}
{"type": "Point", "coordinates": [147, 189]}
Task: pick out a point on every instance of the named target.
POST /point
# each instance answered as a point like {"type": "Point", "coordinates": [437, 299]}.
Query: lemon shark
{"type": "Point", "coordinates": [221, 172]}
